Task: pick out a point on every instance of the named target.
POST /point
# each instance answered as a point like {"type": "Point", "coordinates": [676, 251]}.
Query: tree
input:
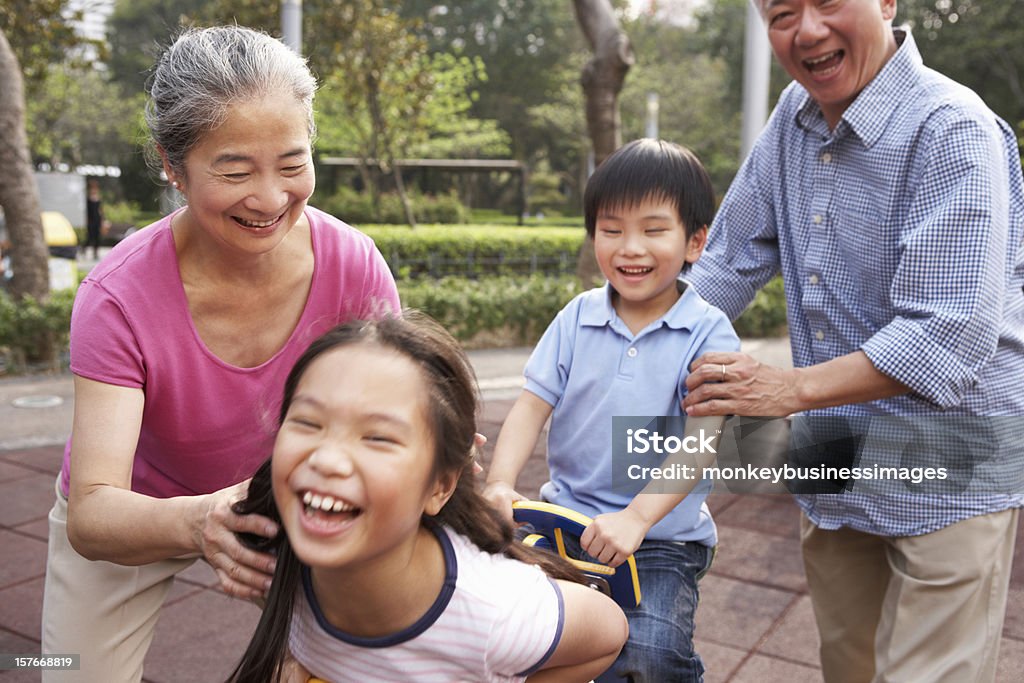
{"type": "Point", "coordinates": [697, 108]}
{"type": "Point", "coordinates": [719, 35]}
{"type": "Point", "coordinates": [604, 74]}
{"type": "Point", "coordinates": [385, 95]}
{"type": "Point", "coordinates": [19, 196]}
{"type": "Point", "coordinates": [975, 42]}
{"type": "Point", "coordinates": [79, 116]}
{"type": "Point", "coordinates": [137, 29]}
{"type": "Point", "coordinates": [525, 46]}
{"type": "Point", "coordinates": [602, 81]}
{"type": "Point", "coordinates": [41, 33]}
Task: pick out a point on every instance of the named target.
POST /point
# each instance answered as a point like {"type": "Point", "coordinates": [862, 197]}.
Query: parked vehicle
{"type": "Point", "coordinates": [62, 244]}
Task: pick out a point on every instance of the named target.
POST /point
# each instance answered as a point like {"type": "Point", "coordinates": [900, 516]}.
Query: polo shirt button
{"type": "Point", "coordinates": [826, 158]}
{"type": "Point", "coordinates": [819, 335]}
{"type": "Point", "coordinates": [632, 352]}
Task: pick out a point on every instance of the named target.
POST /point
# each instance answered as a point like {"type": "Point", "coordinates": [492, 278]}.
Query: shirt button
{"type": "Point", "coordinates": [632, 352]}
{"type": "Point", "coordinates": [826, 158]}
{"type": "Point", "coordinates": [817, 218]}
{"type": "Point", "coordinates": [819, 335]}
{"type": "Point", "coordinates": [813, 279]}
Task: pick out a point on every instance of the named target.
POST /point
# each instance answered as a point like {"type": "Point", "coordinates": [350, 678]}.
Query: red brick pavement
{"type": "Point", "coordinates": [754, 623]}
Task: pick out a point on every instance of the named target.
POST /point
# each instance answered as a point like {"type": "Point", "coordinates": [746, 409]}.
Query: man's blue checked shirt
{"type": "Point", "coordinates": [899, 233]}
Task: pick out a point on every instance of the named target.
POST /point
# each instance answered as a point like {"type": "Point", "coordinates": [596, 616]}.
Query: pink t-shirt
{"type": "Point", "coordinates": [206, 424]}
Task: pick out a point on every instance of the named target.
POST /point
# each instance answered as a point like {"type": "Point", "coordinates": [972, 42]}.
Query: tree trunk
{"type": "Point", "coordinates": [376, 127]}
{"type": "Point", "coordinates": [410, 217]}
{"type": "Point", "coordinates": [602, 80]}
{"type": "Point", "coordinates": [19, 195]}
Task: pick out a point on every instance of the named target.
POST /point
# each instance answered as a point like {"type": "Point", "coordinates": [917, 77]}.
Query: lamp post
{"type": "Point", "coordinates": [291, 24]}
{"type": "Point", "coordinates": [757, 65]}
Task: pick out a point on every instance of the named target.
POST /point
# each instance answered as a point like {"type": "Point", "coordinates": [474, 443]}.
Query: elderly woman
{"type": "Point", "coordinates": [180, 342]}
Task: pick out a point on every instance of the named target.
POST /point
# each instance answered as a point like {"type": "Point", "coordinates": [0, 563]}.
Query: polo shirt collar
{"type": "Point", "coordinates": [869, 114]}
{"type": "Point", "coordinates": [598, 311]}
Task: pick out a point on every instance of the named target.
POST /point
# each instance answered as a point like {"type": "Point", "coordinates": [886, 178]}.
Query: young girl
{"type": "Point", "coordinates": [391, 566]}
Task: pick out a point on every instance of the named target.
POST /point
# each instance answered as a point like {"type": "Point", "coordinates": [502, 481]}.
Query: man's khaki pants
{"type": "Point", "coordinates": [913, 608]}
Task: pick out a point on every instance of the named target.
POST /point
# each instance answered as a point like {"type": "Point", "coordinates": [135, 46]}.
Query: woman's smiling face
{"type": "Point", "coordinates": [247, 181]}
{"type": "Point", "coordinates": [353, 464]}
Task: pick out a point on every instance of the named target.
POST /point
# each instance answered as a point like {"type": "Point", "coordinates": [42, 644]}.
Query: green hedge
{"type": "Point", "coordinates": [491, 311]}
{"type": "Point", "coordinates": [766, 314]}
{"type": "Point", "coordinates": [35, 334]}
{"type": "Point", "coordinates": [357, 208]}
{"type": "Point", "coordinates": [494, 311]}
{"type": "Point", "coordinates": [516, 310]}
{"type": "Point", "coordinates": [476, 250]}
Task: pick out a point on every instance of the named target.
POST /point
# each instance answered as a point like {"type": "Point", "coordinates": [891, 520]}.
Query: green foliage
{"type": "Point", "coordinates": [423, 99]}
{"type": "Point", "coordinates": [475, 250]}
{"type": "Point", "coordinates": [357, 208]}
{"type": "Point", "coordinates": [79, 116]}
{"type": "Point", "coordinates": [41, 34]}
{"type": "Point", "coordinates": [497, 217]}
{"type": "Point", "coordinates": [545, 194]}
{"type": "Point", "coordinates": [523, 44]}
{"type": "Point", "coordinates": [1020, 140]}
{"type": "Point", "coordinates": [138, 29]}
{"type": "Point", "coordinates": [514, 310]}
{"type": "Point", "coordinates": [123, 212]}
{"type": "Point", "coordinates": [976, 43]}
{"type": "Point", "coordinates": [490, 311]}
{"type": "Point", "coordinates": [34, 332]}
{"type": "Point", "coordinates": [766, 314]}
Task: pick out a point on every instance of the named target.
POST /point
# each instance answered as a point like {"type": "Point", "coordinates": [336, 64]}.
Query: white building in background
{"type": "Point", "coordinates": [678, 12]}
{"type": "Point", "coordinates": [93, 24]}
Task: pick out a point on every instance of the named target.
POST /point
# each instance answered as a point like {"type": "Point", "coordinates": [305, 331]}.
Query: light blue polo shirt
{"type": "Point", "coordinates": [591, 368]}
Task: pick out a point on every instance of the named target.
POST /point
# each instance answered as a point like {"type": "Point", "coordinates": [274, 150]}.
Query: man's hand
{"type": "Point", "coordinates": [722, 383]}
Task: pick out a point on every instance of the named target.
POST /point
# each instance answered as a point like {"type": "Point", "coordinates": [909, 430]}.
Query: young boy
{"type": "Point", "coordinates": [624, 350]}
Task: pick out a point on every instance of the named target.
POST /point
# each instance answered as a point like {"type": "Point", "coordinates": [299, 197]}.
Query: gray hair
{"type": "Point", "coordinates": [207, 70]}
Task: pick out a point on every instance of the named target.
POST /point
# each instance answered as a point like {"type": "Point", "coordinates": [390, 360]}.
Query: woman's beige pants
{"type": "Point", "coordinates": [102, 611]}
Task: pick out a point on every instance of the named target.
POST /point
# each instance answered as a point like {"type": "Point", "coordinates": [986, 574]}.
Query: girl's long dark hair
{"type": "Point", "coordinates": [453, 407]}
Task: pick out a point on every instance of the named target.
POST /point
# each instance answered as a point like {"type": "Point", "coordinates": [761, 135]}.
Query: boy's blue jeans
{"type": "Point", "coordinates": [660, 645]}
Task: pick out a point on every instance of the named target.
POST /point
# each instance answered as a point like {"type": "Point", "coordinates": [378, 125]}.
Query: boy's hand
{"type": "Point", "coordinates": [614, 536]}
{"type": "Point", "coordinates": [501, 496]}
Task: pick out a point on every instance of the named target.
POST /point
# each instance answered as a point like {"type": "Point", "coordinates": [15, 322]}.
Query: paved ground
{"type": "Point", "coordinates": [754, 622]}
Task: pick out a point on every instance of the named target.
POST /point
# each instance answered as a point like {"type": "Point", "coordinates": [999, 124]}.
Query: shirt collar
{"type": "Point", "coordinates": [869, 114]}
{"type": "Point", "coordinates": [598, 311]}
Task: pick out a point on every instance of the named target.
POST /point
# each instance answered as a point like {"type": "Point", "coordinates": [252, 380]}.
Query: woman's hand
{"type": "Point", "coordinates": [243, 573]}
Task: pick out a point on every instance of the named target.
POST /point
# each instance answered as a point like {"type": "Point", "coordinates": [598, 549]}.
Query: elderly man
{"type": "Point", "coordinates": [891, 200]}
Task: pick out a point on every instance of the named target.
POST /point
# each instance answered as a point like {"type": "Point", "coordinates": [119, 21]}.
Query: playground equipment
{"type": "Point", "coordinates": [550, 523]}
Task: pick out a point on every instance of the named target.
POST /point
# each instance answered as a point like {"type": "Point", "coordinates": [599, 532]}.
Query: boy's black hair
{"type": "Point", "coordinates": [645, 169]}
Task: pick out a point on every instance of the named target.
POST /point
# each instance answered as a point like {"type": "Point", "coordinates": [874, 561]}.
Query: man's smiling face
{"type": "Point", "coordinates": [833, 48]}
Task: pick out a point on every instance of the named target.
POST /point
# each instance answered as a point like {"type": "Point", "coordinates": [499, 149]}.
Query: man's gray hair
{"type": "Point", "coordinates": [205, 71]}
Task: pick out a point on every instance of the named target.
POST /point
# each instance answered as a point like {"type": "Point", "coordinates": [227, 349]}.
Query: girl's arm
{"type": "Point", "coordinates": [594, 632]}
{"type": "Point", "coordinates": [613, 537]}
{"type": "Point", "coordinates": [108, 521]}
{"type": "Point", "coordinates": [516, 442]}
